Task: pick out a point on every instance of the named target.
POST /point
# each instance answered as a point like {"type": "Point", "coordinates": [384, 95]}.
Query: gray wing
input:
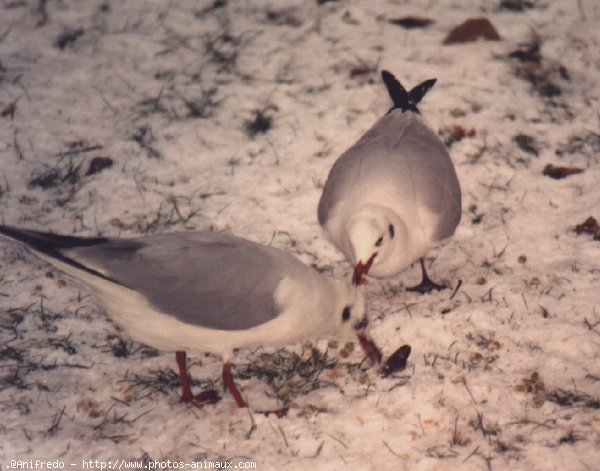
{"type": "Point", "coordinates": [433, 176]}
{"type": "Point", "coordinates": [342, 177]}
{"type": "Point", "coordinates": [204, 279]}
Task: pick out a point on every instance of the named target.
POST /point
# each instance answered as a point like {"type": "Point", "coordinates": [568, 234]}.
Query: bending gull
{"type": "Point", "coordinates": [394, 194]}
{"type": "Point", "coordinates": [206, 291]}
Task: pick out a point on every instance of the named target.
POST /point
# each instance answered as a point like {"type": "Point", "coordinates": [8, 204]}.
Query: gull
{"type": "Point", "coordinates": [394, 194]}
{"type": "Point", "coordinates": [206, 291]}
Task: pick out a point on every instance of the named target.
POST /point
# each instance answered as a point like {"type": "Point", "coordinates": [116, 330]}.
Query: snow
{"type": "Point", "coordinates": [503, 373]}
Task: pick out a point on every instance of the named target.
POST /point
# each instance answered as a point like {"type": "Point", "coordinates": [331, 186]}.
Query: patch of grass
{"type": "Point", "coordinates": [64, 343]}
{"type": "Point", "coordinates": [162, 381]}
{"type": "Point", "coordinates": [145, 138]}
{"type": "Point", "coordinates": [289, 374]}
{"type": "Point", "coordinates": [568, 439]}
{"type": "Point", "coordinates": [120, 346]}
{"type": "Point", "coordinates": [59, 174]}
{"type": "Point", "coordinates": [261, 124]}
{"type": "Point", "coordinates": [67, 38]}
{"type": "Point", "coordinates": [287, 371]}
{"type": "Point", "coordinates": [566, 398]}
{"type": "Point", "coordinates": [535, 385]}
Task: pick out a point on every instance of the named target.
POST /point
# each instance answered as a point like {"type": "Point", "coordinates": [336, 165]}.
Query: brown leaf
{"type": "Point", "coordinates": [98, 164]}
{"type": "Point", "coordinates": [411, 22]}
{"type": "Point", "coordinates": [472, 30]}
{"type": "Point", "coordinates": [396, 361]}
{"type": "Point", "coordinates": [360, 71]}
{"type": "Point", "coordinates": [560, 172]}
{"type": "Point", "coordinates": [9, 111]}
{"type": "Point", "coordinates": [526, 143]}
{"type": "Point", "coordinates": [456, 133]}
{"type": "Point", "coordinates": [589, 226]}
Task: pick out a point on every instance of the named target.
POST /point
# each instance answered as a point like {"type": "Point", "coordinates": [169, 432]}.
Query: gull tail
{"type": "Point", "coordinates": [406, 101]}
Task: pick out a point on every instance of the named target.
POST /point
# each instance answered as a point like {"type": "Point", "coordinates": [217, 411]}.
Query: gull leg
{"type": "Point", "coordinates": [233, 390]}
{"type": "Point", "coordinates": [205, 397]}
{"type": "Point", "coordinates": [228, 380]}
{"type": "Point", "coordinates": [426, 285]}
{"type": "Point", "coordinates": [186, 391]}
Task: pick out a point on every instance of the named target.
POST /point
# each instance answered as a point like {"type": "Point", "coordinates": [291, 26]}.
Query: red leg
{"type": "Point", "coordinates": [199, 400]}
{"type": "Point", "coordinates": [186, 391]}
{"type": "Point", "coordinates": [233, 390]}
{"type": "Point", "coordinates": [426, 285]}
{"type": "Point", "coordinates": [239, 400]}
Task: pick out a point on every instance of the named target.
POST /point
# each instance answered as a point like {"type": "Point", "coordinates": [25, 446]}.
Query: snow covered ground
{"type": "Point", "coordinates": [228, 114]}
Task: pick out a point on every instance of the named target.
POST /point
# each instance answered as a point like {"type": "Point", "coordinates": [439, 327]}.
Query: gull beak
{"type": "Point", "coordinates": [360, 271]}
{"type": "Point", "coordinates": [370, 348]}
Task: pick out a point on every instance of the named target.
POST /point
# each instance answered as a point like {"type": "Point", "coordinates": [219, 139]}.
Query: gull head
{"type": "Point", "coordinates": [350, 312]}
{"type": "Point", "coordinates": [373, 237]}
{"type": "Point", "coordinates": [353, 320]}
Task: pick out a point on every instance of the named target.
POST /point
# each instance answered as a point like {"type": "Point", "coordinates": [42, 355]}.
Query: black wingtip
{"type": "Point", "coordinates": [52, 245]}
{"type": "Point", "coordinates": [406, 101]}
{"type": "Point", "coordinates": [48, 243]}
{"type": "Point", "coordinates": [418, 92]}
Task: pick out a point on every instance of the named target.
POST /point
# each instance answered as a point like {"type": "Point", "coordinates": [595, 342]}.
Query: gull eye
{"type": "Point", "coordinates": [391, 230]}
{"type": "Point", "coordinates": [379, 242]}
{"type": "Point", "coordinates": [362, 324]}
{"type": "Point", "coordinates": [346, 314]}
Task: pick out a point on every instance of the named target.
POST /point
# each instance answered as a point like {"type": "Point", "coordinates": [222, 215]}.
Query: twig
{"type": "Point", "coordinates": [319, 449]}
{"type": "Point", "coordinates": [41, 9]}
{"type": "Point", "coordinates": [79, 151]}
{"type": "Point", "coordinates": [56, 421]}
{"type": "Point", "coordinates": [253, 426]}
{"type": "Point", "coordinates": [18, 150]}
{"type": "Point", "coordinates": [469, 391]}
{"type": "Point", "coordinates": [337, 440]}
{"type": "Point", "coordinates": [458, 285]}
{"type": "Point", "coordinates": [581, 11]}
{"type": "Point", "coordinates": [589, 325]}
{"type": "Point", "coordinates": [421, 424]}
{"type": "Point", "coordinates": [392, 451]}
{"type": "Point", "coordinates": [3, 35]}
{"type": "Point", "coordinates": [471, 454]}
{"type": "Point", "coordinates": [525, 301]}
{"type": "Point", "coordinates": [287, 445]}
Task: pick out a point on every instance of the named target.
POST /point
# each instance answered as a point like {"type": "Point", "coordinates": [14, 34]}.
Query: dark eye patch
{"type": "Point", "coordinates": [346, 314]}
{"type": "Point", "coordinates": [392, 231]}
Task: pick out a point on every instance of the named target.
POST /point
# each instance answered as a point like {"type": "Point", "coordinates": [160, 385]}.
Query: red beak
{"type": "Point", "coordinates": [371, 350]}
{"type": "Point", "coordinates": [360, 271]}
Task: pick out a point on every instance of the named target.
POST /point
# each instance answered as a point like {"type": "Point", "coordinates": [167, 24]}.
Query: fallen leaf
{"type": "Point", "coordinates": [516, 5]}
{"type": "Point", "coordinates": [526, 143]}
{"type": "Point", "coordinates": [560, 172]}
{"type": "Point", "coordinates": [472, 30]}
{"type": "Point", "coordinates": [411, 22]}
{"type": "Point", "coordinates": [589, 226]}
{"type": "Point", "coordinates": [396, 361]}
{"type": "Point", "coordinates": [98, 164]}
{"type": "Point", "coordinates": [359, 71]}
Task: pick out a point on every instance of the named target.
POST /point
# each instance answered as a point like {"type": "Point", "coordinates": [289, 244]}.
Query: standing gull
{"type": "Point", "coordinates": [394, 194]}
{"type": "Point", "coordinates": [205, 291]}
